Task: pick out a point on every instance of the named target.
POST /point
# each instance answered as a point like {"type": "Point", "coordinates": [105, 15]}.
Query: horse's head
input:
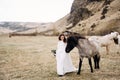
{"type": "Point", "coordinates": [115, 37]}
{"type": "Point", "coordinates": [72, 42]}
{"type": "Point", "coordinates": [114, 34]}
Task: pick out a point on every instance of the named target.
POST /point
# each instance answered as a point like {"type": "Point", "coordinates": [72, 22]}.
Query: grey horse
{"type": "Point", "coordinates": [86, 49]}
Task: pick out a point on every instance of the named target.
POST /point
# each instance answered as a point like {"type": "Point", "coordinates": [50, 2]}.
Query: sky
{"type": "Point", "coordinates": [34, 10]}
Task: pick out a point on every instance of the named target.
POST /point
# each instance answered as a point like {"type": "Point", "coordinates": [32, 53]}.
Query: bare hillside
{"type": "Point", "coordinates": [26, 27]}
{"type": "Point", "coordinates": [93, 17]}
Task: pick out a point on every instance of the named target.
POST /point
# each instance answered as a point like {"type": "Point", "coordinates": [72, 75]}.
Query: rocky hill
{"type": "Point", "coordinates": [93, 17]}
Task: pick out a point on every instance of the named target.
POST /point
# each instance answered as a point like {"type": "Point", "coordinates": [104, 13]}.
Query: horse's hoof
{"type": "Point", "coordinates": [60, 75]}
{"type": "Point", "coordinates": [98, 68]}
{"type": "Point", "coordinates": [92, 71]}
{"type": "Point", "coordinates": [78, 73]}
{"type": "Point", "coordinates": [95, 67]}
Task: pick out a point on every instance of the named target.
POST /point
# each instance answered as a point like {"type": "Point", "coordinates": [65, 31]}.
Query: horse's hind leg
{"type": "Point", "coordinates": [80, 64]}
{"type": "Point", "coordinates": [98, 61]}
{"type": "Point", "coordinates": [95, 61]}
{"type": "Point", "coordinates": [90, 63]}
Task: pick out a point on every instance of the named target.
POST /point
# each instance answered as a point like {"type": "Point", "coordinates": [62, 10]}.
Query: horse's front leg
{"type": "Point", "coordinates": [90, 63]}
{"type": "Point", "coordinates": [80, 64]}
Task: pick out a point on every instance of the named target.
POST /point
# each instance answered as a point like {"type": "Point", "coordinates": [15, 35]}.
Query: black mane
{"type": "Point", "coordinates": [74, 34]}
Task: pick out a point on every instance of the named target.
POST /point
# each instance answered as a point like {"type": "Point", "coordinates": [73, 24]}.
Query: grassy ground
{"type": "Point", "coordinates": [30, 58]}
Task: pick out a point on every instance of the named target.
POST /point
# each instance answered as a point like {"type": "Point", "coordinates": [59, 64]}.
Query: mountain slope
{"type": "Point", "coordinates": [94, 17]}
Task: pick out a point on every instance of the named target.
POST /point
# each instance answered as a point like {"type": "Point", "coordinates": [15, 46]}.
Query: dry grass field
{"type": "Point", "coordinates": [30, 58]}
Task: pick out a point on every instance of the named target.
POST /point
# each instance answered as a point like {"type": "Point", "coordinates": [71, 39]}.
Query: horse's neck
{"type": "Point", "coordinates": [82, 44]}
{"type": "Point", "coordinates": [108, 37]}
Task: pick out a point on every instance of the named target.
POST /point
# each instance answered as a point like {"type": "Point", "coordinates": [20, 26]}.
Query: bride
{"type": "Point", "coordinates": [64, 62]}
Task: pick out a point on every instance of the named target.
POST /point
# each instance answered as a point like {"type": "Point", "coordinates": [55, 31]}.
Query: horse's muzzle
{"type": "Point", "coordinates": [67, 51]}
{"type": "Point", "coordinates": [116, 40]}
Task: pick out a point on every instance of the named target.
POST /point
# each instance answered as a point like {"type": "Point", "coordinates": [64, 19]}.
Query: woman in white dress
{"type": "Point", "coordinates": [64, 62]}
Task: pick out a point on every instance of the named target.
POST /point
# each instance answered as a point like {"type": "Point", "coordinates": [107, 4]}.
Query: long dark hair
{"type": "Point", "coordinates": [60, 38]}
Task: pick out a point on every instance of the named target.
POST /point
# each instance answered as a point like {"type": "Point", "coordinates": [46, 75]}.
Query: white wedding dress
{"type": "Point", "coordinates": [64, 62]}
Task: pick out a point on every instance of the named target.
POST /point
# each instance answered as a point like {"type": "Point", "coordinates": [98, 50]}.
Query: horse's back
{"type": "Point", "coordinates": [86, 48]}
